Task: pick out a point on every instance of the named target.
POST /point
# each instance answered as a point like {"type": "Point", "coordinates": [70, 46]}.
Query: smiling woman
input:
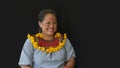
{"type": "Point", "coordinates": [49, 24]}
{"type": "Point", "coordinates": [47, 48]}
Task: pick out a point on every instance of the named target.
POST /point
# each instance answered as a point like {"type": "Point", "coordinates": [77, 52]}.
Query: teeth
{"type": "Point", "coordinates": [51, 29]}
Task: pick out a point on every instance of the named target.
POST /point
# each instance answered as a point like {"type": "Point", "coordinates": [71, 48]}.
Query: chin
{"type": "Point", "coordinates": [51, 33]}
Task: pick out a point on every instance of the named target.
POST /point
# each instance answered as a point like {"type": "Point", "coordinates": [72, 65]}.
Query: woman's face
{"type": "Point", "coordinates": [49, 25]}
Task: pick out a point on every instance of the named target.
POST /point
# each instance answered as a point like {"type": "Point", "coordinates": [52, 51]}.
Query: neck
{"type": "Point", "coordinates": [48, 37]}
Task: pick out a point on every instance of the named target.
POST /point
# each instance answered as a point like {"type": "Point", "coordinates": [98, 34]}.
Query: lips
{"type": "Point", "coordinates": [51, 30]}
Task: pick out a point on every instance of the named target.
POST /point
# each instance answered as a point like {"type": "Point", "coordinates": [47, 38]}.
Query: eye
{"type": "Point", "coordinates": [48, 23]}
{"type": "Point", "coordinates": [54, 22]}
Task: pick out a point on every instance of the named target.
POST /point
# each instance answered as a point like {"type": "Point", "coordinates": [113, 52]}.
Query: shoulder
{"type": "Point", "coordinates": [61, 36]}
{"type": "Point", "coordinates": [31, 38]}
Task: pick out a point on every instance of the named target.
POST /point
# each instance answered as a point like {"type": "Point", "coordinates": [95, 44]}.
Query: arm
{"type": "Point", "coordinates": [70, 63]}
{"type": "Point", "coordinates": [26, 57]}
{"type": "Point", "coordinates": [70, 55]}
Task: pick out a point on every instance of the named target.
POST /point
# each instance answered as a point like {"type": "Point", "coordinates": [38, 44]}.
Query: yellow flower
{"type": "Point", "coordinates": [28, 35]}
{"type": "Point", "coordinates": [34, 43]}
{"type": "Point", "coordinates": [65, 35]}
{"type": "Point", "coordinates": [32, 40]}
{"type": "Point", "coordinates": [55, 49]}
{"type": "Point", "coordinates": [59, 47]}
{"type": "Point", "coordinates": [51, 49]}
{"type": "Point", "coordinates": [39, 47]}
{"type": "Point", "coordinates": [35, 46]}
{"type": "Point", "coordinates": [57, 35]}
{"type": "Point", "coordinates": [42, 49]}
{"type": "Point", "coordinates": [37, 35]}
{"type": "Point", "coordinates": [47, 50]}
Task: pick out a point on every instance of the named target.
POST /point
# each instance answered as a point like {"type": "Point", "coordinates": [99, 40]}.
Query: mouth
{"type": "Point", "coordinates": [51, 30]}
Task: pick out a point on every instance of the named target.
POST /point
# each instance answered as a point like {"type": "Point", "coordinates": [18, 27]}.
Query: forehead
{"type": "Point", "coordinates": [50, 17]}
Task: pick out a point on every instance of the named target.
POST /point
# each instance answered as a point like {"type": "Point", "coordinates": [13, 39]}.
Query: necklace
{"type": "Point", "coordinates": [49, 49]}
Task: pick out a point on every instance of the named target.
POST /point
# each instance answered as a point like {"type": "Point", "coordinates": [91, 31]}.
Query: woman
{"type": "Point", "coordinates": [48, 48]}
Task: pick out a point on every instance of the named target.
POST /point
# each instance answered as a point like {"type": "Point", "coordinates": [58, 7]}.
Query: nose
{"type": "Point", "coordinates": [51, 25]}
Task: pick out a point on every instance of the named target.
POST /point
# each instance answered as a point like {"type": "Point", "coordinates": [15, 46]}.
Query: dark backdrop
{"type": "Point", "coordinates": [83, 21]}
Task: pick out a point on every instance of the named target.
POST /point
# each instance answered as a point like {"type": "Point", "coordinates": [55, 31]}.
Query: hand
{"type": "Point", "coordinates": [65, 67]}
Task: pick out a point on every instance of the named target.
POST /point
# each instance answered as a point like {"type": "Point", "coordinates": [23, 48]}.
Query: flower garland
{"type": "Point", "coordinates": [50, 49]}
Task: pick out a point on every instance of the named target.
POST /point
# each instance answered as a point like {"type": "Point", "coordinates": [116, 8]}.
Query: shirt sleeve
{"type": "Point", "coordinates": [70, 52]}
{"type": "Point", "coordinates": [26, 54]}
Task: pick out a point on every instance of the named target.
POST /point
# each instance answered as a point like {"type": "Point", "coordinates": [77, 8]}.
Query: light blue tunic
{"type": "Point", "coordinates": [40, 59]}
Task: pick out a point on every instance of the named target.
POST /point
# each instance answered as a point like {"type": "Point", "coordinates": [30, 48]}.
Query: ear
{"type": "Point", "coordinates": [39, 23]}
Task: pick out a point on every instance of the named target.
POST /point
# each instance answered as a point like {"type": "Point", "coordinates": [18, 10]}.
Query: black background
{"type": "Point", "coordinates": [87, 24]}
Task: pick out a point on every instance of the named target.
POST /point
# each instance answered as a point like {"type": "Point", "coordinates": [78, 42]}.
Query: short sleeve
{"type": "Point", "coordinates": [70, 52]}
{"type": "Point", "coordinates": [26, 54]}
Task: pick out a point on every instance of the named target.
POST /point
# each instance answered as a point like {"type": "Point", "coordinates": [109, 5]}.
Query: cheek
{"type": "Point", "coordinates": [55, 26]}
{"type": "Point", "coordinates": [45, 28]}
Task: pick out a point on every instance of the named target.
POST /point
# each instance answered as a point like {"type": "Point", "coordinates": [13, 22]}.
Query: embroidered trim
{"type": "Point", "coordinates": [49, 49]}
